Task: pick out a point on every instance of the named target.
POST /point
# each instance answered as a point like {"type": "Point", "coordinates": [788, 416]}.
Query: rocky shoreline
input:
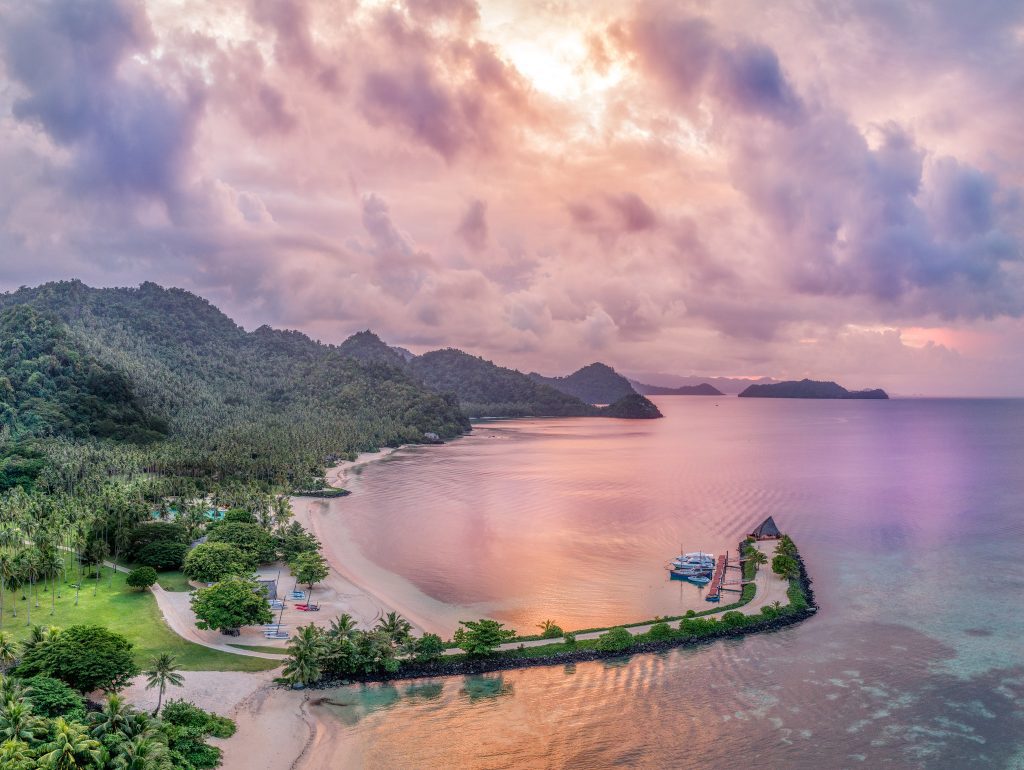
{"type": "Point", "coordinates": [498, 662]}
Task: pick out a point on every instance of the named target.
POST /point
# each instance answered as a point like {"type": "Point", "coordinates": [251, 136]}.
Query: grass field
{"type": "Point", "coordinates": [124, 610]}
{"type": "Point", "coordinates": [261, 648]}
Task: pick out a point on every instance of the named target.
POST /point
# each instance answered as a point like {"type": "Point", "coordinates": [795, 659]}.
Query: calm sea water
{"type": "Point", "coordinates": [910, 516]}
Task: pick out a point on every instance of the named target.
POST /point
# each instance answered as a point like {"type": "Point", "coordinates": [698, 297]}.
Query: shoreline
{"type": "Point", "coordinates": [364, 603]}
{"type": "Point", "coordinates": [498, 662]}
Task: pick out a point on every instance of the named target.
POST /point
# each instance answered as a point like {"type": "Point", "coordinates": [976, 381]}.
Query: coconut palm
{"type": "Point", "coordinates": [142, 753]}
{"type": "Point", "coordinates": [17, 722]}
{"type": "Point", "coordinates": [8, 651]}
{"type": "Point", "coordinates": [7, 572]}
{"type": "Point", "coordinates": [71, 747]}
{"type": "Point", "coordinates": [757, 556]}
{"type": "Point", "coordinates": [17, 755]}
{"type": "Point", "coordinates": [304, 656]}
{"type": "Point", "coordinates": [395, 626]}
{"type": "Point", "coordinates": [343, 626]}
{"type": "Point", "coordinates": [163, 671]}
{"type": "Point", "coordinates": [37, 637]}
{"type": "Point", "coordinates": [114, 717]}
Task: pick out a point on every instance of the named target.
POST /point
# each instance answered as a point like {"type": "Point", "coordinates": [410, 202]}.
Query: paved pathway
{"type": "Point", "coordinates": [177, 611]}
{"type": "Point", "coordinates": [770, 588]}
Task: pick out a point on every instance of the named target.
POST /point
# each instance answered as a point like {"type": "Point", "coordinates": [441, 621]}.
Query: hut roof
{"type": "Point", "coordinates": [766, 530]}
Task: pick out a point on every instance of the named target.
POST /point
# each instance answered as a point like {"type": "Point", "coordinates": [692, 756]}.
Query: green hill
{"type": "Point", "coordinates": [272, 405]}
{"type": "Point", "coordinates": [485, 389]}
{"type": "Point", "coordinates": [51, 386]}
{"type": "Point", "coordinates": [596, 383]}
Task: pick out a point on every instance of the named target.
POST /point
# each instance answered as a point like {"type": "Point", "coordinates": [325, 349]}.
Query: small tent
{"type": "Point", "coordinates": [767, 530]}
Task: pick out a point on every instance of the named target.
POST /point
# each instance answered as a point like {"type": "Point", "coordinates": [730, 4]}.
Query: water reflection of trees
{"type": "Point", "coordinates": [486, 686]}
{"type": "Point", "coordinates": [352, 704]}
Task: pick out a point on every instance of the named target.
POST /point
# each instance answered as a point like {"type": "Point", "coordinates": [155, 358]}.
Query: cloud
{"type": "Point", "coordinates": [128, 132]}
{"type": "Point", "coordinates": [658, 182]}
{"type": "Point", "coordinates": [473, 227]}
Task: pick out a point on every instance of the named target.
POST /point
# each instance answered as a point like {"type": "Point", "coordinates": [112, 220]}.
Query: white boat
{"type": "Point", "coordinates": [701, 580]}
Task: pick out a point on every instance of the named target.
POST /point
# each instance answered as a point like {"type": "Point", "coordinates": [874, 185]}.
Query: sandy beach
{"type": "Point", "coordinates": [278, 729]}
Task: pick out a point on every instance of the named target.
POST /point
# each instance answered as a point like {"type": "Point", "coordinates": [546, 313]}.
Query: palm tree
{"type": "Point", "coordinates": [17, 755]}
{"type": "Point", "coordinates": [71, 747]}
{"type": "Point", "coordinates": [17, 722]}
{"type": "Point", "coordinates": [114, 717]}
{"type": "Point", "coordinates": [7, 571]}
{"type": "Point", "coordinates": [38, 636]}
{"type": "Point", "coordinates": [7, 651]}
{"type": "Point", "coordinates": [757, 556]}
{"type": "Point", "coordinates": [547, 627]}
{"type": "Point", "coordinates": [344, 626]}
{"type": "Point", "coordinates": [395, 626]}
{"type": "Point", "coordinates": [163, 671]}
{"type": "Point", "coordinates": [304, 656]}
{"type": "Point", "coordinates": [142, 753]}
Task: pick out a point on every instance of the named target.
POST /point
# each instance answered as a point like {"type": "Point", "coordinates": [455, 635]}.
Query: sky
{"type": "Point", "coordinates": [812, 188]}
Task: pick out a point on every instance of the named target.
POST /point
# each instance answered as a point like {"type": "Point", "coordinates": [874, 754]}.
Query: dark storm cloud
{"type": "Point", "coordinates": [128, 134]}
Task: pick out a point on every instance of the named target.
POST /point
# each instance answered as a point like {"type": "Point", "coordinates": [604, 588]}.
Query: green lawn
{"type": "Point", "coordinates": [260, 648]}
{"type": "Point", "coordinates": [126, 611]}
{"type": "Point", "coordinates": [173, 581]}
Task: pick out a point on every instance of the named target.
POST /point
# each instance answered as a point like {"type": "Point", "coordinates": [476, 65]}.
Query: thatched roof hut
{"type": "Point", "coordinates": [767, 530]}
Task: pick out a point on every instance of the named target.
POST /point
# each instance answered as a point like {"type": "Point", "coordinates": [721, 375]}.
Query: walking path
{"type": "Point", "coordinates": [177, 612]}
{"type": "Point", "coordinates": [176, 608]}
{"type": "Point", "coordinates": [771, 588]}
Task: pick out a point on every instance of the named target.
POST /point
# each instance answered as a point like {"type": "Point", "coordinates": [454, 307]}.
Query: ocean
{"type": "Point", "coordinates": [909, 514]}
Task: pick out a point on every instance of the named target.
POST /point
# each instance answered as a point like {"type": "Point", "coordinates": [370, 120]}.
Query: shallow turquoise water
{"type": "Point", "coordinates": [910, 515]}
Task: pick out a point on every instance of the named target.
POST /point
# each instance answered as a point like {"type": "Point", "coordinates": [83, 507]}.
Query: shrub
{"type": "Point", "coordinates": [615, 640]}
{"type": "Point", "coordinates": [142, 578]}
{"type": "Point", "coordinates": [734, 619]}
{"type": "Point", "coordinates": [251, 539]}
{"type": "Point", "coordinates": [429, 647]}
{"type": "Point", "coordinates": [785, 565]}
{"type": "Point", "coordinates": [550, 630]}
{"type": "Point", "coordinates": [698, 627]}
{"type": "Point", "coordinates": [162, 555]}
{"type": "Point", "coordinates": [691, 613]}
{"type": "Point", "coordinates": [570, 640]}
{"type": "Point", "coordinates": [238, 516]}
{"type": "Point", "coordinates": [659, 632]}
{"type": "Point", "coordinates": [481, 637]}
{"type": "Point", "coordinates": [53, 698]}
{"type": "Point", "coordinates": [187, 727]}
{"type": "Point", "coordinates": [210, 562]}
{"type": "Point", "coordinates": [230, 604]}
{"type": "Point", "coordinates": [86, 657]}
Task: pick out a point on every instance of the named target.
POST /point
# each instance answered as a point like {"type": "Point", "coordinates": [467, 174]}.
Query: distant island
{"type": "Point", "coordinates": [809, 389]}
{"type": "Point", "coordinates": [704, 389]}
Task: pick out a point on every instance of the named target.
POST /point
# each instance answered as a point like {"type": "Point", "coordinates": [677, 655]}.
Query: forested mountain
{"type": "Point", "coordinates": [271, 405]}
{"type": "Point", "coordinates": [704, 389]}
{"type": "Point", "coordinates": [485, 389]}
{"type": "Point", "coordinates": [809, 389]}
{"type": "Point", "coordinates": [596, 383]}
{"type": "Point", "coordinates": [51, 386]}
{"type": "Point", "coordinates": [367, 347]}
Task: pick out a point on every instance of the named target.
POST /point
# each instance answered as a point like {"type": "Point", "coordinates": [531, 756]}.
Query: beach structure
{"type": "Point", "coordinates": [766, 531]}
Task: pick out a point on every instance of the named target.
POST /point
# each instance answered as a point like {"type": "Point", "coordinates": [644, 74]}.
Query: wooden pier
{"type": "Point", "coordinates": [715, 586]}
